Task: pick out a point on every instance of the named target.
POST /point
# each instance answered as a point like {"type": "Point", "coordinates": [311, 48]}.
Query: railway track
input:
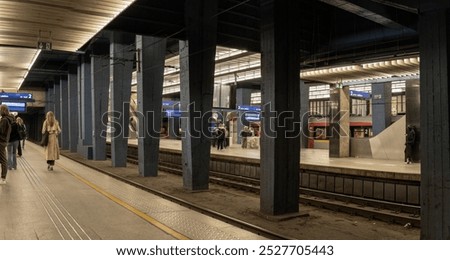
{"type": "Point", "coordinates": [402, 214]}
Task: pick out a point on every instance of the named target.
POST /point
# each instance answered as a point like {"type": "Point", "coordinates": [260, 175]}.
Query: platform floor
{"type": "Point", "coordinates": [310, 157]}
{"type": "Point", "coordinates": [75, 202]}
{"type": "Point", "coordinates": [314, 223]}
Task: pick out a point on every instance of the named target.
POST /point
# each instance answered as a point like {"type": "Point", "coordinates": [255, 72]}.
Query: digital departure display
{"type": "Point", "coordinates": [173, 113]}
{"type": "Point", "coordinates": [16, 106]}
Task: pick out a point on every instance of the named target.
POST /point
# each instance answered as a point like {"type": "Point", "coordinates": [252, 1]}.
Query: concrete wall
{"type": "Point", "coordinates": [38, 95]}
{"type": "Point", "coordinates": [360, 148]}
{"type": "Point", "coordinates": [321, 144]}
{"type": "Point", "coordinates": [390, 144]}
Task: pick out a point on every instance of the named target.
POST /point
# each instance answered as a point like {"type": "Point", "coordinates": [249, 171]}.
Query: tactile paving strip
{"type": "Point", "coordinates": [185, 221]}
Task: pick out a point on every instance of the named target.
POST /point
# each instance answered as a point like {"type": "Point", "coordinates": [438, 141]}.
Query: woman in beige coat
{"type": "Point", "coordinates": [52, 149]}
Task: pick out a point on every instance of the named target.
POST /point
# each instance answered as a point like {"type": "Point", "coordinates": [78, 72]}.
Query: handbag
{"type": "Point", "coordinates": [44, 140]}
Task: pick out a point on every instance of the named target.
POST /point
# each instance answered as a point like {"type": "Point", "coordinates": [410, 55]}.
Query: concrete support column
{"type": "Point", "coordinates": [72, 85]}
{"type": "Point", "coordinates": [121, 65]}
{"type": "Point", "coordinates": [381, 106]}
{"type": "Point", "coordinates": [434, 28]}
{"type": "Point", "coordinates": [64, 113]}
{"type": "Point", "coordinates": [100, 92]}
{"type": "Point", "coordinates": [280, 93]}
{"type": "Point", "coordinates": [50, 98]}
{"type": "Point", "coordinates": [197, 65]}
{"type": "Point", "coordinates": [150, 77]}
{"type": "Point", "coordinates": [304, 113]}
{"type": "Point", "coordinates": [243, 97]}
{"type": "Point", "coordinates": [85, 112]}
{"type": "Point", "coordinates": [413, 113]}
{"type": "Point", "coordinates": [339, 121]}
{"type": "Point", "coordinates": [56, 107]}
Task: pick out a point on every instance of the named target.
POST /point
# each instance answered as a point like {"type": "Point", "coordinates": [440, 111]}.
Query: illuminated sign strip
{"type": "Point", "coordinates": [16, 106]}
{"type": "Point", "coordinates": [16, 96]}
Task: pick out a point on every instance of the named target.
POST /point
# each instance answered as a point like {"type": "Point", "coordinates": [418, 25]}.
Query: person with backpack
{"type": "Point", "coordinates": [5, 130]}
{"type": "Point", "coordinates": [13, 143]}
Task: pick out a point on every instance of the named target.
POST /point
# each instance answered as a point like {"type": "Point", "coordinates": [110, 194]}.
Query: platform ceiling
{"type": "Point", "coordinates": [333, 32]}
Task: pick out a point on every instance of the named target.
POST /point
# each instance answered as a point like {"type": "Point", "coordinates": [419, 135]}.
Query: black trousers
{"type": "Point", "coordinates": [3, 161]}
{"type": "Point", "coordinates": [220, 144]}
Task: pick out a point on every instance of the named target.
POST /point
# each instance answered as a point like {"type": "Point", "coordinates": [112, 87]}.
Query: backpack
{"type": "Point", "coordinates": [22, 132]}
{"type": "Point", "coordinates": [14, 135]}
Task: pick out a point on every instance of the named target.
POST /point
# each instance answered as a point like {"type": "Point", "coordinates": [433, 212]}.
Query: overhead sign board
{"type": "Point", "coordinates": [248, 108]}
{"type": "Point", "coordinates": [173, 113]}
{"type": "Point", "coordinates": [16, 96]}
{"type": "Point", "coordinates": [252, 116]}
{"type": "Point", "coordinates": [16, 106]}
{"type": "Point", "coordinates": [170, 103]}
{"type": "Point", "coordinates": [359, 94]}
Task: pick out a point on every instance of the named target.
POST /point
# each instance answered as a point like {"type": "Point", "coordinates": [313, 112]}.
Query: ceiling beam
{"type": "Point", "coordinates": [405, 5]}
{"type": "Point", "coordinates": [382, 14]}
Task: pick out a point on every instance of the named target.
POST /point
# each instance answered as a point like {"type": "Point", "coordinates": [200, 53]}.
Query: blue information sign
{"type": "Point", "coordinates": [170, 103]}
{"type": "Point", "coordinates": [16, 96]}
{"type": "Point", "coordinates": [249, 108]}
{"type": "Point", "coordinates": [16, 106]}
{"type": "Point", "coordinates": [252, 116]}
{"type": "Point", "coordinates": [359, 94]}
{"type": "Point", "coordinates": [173, 113]}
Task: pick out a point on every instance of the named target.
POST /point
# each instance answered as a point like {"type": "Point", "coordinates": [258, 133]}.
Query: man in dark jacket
{"type": "Point", "coordinates": [410, 140]}
{"type": "Point", "coordinates": [14, 141]}
{"type": "Point", "coordinates": [221, 135]}
{"type": "Point", "coordinates": [5, 130]}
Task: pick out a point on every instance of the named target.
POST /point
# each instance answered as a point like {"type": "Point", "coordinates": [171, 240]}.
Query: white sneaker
{"type": "Point", "coordinates": [2, 181]}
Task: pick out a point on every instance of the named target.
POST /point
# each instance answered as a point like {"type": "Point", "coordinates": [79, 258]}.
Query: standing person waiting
{"type": "Point", "coordinates": [51, 125]}
{"type": "Point", "coordinates": [5, 130]}
{"type": "Point", "coordinates": [221, 134]}
{"type": "Point", "coordinates": [14, 142]}
{"type": "Point", "coordinates": [410, 141]}
{"type": "Point", "coordinates": [22, 135]}
{"type": "Point", "coordinates": [245, 133]}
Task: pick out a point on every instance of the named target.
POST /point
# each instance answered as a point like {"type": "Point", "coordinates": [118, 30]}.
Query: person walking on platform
{"type": "Point", "coordinates": [410, 140]}
{"type": "Point", "coordinates": [51, 125]}
{"type": "Point", "coordinates": [5, 130]}
{"type": "Point", "coordinates": [13, 143]}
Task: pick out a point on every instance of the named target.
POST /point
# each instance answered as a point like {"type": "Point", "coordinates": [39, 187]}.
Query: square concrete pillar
{"type": "Point", "coordinates": [339, 121]}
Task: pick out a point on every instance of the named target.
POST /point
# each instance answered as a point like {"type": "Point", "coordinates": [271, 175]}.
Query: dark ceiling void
{"type": "Point", "coordinates": [49, 66]}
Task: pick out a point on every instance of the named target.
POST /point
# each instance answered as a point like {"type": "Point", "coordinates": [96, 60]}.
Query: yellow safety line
{"type": "Point", "coordinates": [141, 214]}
